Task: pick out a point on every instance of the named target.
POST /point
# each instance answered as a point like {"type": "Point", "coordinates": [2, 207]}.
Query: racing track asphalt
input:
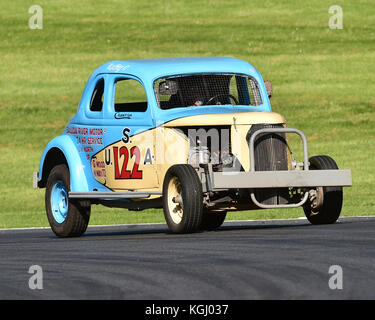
{"type": "Point", "coordinates": [242, 260]}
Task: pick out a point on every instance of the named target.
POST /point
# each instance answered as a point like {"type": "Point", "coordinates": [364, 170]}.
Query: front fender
{"type": "Point", "coordinates": [64, 143]}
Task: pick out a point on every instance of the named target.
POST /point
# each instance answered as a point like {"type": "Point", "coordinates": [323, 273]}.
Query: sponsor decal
{"type": "Point", "coordinates": [117, 67]}
{"type": "Point", "coordinates": [86, 138]}
{"type": "Point", "coordinates": [122, 115]}
{"type": "Point", "coordinates": [98, 168]}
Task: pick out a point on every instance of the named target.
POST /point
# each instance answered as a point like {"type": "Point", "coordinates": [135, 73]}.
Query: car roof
{"type": "Point", "coordinates": [151, 69]}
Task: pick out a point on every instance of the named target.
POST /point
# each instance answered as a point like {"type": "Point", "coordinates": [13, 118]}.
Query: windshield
{"type": "Point", "coordinates": [207, 89]}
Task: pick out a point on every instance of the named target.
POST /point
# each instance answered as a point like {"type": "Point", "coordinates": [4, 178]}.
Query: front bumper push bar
{"type": "Point", "coordinates": [280, 179]}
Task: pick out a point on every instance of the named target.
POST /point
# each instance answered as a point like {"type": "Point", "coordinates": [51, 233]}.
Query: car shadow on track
{"type": "Point", "coordinates": [163, 229]}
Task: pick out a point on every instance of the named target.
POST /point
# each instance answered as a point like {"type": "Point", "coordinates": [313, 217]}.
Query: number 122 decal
{"type": "Point", "coordinates": [124, 173]}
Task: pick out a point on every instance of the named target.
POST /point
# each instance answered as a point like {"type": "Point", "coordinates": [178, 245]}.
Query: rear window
{"type": "Point", "coordinates": [96, 102]}
{"type": "Point", "coordinates": [207, 89]}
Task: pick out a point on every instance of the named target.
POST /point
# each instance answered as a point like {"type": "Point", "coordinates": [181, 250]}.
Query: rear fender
{"type": "Point", "coordinates": [63, 150]}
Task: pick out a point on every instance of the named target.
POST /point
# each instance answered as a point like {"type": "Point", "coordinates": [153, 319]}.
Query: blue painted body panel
{"type": "Point", "coordinates": [81, 176]}
{"type": "Point", "coordinates": [146, 72]}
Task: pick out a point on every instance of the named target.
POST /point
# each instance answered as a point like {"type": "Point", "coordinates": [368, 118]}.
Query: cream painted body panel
{"type": "Point", "coordinates": [240, 147]}
{"type": "Point", "coordinates": [172, 147]}
{"type": "Point", "coordinates": [166, 145]}
{"type": "Point", "coordinates": [227, 119]}
{"type": "Point", "coordinates": [120, 160]}
{"type": "Point", "coordinates": [240, 125]}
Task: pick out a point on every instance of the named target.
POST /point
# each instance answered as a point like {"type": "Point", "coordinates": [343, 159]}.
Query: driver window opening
{"type": "Point", "coordinates": [130, 96]}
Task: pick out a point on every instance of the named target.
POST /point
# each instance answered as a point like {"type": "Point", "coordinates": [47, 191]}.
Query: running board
{"type": "Point", "coordinates": [113, 195]}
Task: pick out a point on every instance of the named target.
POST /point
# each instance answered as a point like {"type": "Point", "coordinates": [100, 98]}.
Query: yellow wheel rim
{"type": "Point", "coordinates": [175, 206]}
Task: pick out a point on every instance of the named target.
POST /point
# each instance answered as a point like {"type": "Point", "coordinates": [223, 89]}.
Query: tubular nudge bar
{"type": "Point", "coordinates": [280, 179]}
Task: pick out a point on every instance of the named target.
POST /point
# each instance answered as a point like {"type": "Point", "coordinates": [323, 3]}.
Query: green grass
{"type": "Point", "coordinates": [323, 80]}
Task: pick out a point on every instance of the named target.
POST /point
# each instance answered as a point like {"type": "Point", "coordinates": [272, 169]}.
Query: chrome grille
{"type": "Point", "coordinates": [271, 154]}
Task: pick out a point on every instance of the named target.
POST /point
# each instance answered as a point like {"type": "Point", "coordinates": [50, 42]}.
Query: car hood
{"type": "Point", "coordinates": [235, 118]}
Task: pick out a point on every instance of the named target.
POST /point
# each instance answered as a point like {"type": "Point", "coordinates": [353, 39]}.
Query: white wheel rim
{"type": "Point", "coordinates": [175, 209]}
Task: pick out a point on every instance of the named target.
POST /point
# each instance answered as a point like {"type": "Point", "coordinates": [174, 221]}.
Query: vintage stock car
{"type": "Point", "coordinates": [194, 136]}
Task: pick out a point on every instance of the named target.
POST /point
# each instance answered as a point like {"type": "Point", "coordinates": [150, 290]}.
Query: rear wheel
{"type": "Point", "coordinates": [324, 203]}
{"type": "Point", "coordinates": [67, 218]}
{"type": "Point", "coordinates": [182, 199]}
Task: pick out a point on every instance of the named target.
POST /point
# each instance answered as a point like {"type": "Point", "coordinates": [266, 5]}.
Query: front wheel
{"type": "Point", "coordinates": [182, 199]}
{"type": "Point", "coordinates": [67, 218]}
{"type": "Point", "coordinates": [324, 203]}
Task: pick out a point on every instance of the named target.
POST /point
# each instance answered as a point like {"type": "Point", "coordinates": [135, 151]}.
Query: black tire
{"type": "Point", "coordinates": [186, 216]}
{"type": "Point", "coordinates": [75, 219]}
{"type": "Point", "coordinates": [330, 198]}
{"type": "Point", "coordinates": [212, 220]}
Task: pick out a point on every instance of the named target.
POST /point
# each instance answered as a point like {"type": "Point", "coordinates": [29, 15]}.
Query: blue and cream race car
{"type": "Point", "coordinates": [194, 136]}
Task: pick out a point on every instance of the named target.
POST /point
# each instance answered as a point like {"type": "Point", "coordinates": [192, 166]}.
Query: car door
{"type": "Point", "coordinates": [129, 137]}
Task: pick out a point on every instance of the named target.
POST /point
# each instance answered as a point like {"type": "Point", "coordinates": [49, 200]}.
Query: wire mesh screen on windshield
{"type": "Point", "coordinates": [207, 89]}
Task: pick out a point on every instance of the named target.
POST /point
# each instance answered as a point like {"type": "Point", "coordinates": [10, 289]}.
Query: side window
{"type": "Point", "coordinates": [130, 96]}
{"type": "Point", "coordinates": [96, 103]}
